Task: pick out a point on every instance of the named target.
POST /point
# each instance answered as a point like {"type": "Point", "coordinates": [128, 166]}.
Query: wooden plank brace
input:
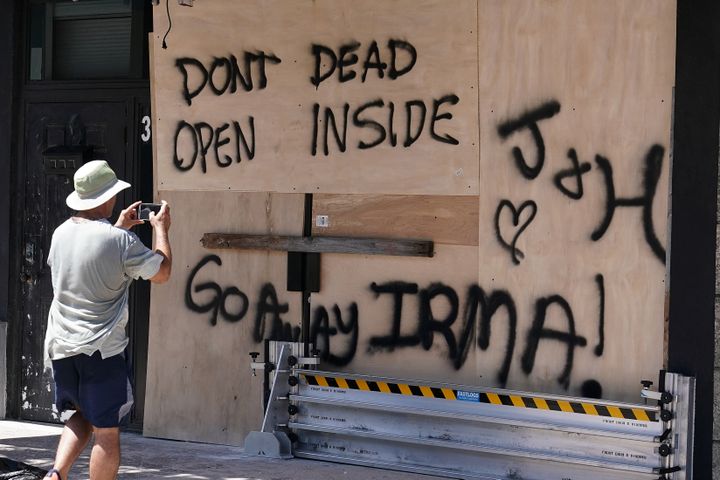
{"type": "Point", "coordinates": [363, 246]}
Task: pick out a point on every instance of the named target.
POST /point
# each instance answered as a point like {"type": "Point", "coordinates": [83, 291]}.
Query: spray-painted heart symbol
{"type": "Point", "coordinates": [531, 208]}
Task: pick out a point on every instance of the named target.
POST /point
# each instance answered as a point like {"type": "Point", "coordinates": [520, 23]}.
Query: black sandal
{"type": "Point", "coordinates": [55, 471]}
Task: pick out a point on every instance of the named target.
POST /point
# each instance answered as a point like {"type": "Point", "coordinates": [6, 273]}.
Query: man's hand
{"type": "Point", "coordinates": [161, 225]}
{"type": "Point", "coordinates": [162, 219]}
{"type": "Point", "coordinates": [128, 217]}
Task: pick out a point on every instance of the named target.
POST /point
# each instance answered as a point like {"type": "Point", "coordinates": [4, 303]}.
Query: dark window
{"type": "Point", "coordinates": [84, 39]}
{"type": "Point", "coordinates": [37, 42]}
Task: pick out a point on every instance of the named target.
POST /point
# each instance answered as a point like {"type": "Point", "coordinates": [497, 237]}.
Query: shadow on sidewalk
{"type": "Point", "coordinates": [29, 457]}
{"type": "Point", "coordinates": [12, 470]}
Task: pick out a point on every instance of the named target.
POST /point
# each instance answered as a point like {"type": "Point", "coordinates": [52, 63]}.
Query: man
{"type": "Point", "coordinates": [93, 264]}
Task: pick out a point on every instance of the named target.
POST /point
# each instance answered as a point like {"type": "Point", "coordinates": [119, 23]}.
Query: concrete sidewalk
{"type": "Point", "coordinates": [148, 458]}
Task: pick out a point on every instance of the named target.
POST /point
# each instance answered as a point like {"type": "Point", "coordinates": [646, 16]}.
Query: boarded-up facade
{"type": "Point", "coordinates": [528, 140]}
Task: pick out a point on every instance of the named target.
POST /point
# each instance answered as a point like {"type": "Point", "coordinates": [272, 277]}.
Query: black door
{"type": "Point", "coordinates": [101, 128]}
{"type": "Point", "coordinates": [82, 75]}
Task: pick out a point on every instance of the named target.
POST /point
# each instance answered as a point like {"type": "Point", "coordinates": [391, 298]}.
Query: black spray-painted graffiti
{"type": "Point", "coordinates": [538, 332]}
{"type": "Point", "coordinates": [600, 347]}
{"type": "Point", "coordinates": [511, 246]}
{"type": "Point", "coordinates": [377, 116]}
{"type": "Point", "coordinates": [230, 142]}
{"type": "Point", "coordinates": [529, 120]}
{"type": "Point", "coordinates": [457, 330]}
{"type": "Point", "coordinates": [384, 130]}
{"type": "Point", "coordinates": [374, 122]}
{"type": "Point", "coordinates": [224, 74]}
{"type": "Point", "coordinates": [321, 332]}
{"type": "Point", "coordinates": [217, 304]}
{"type": "Point", "coordinates": [576, 171]}
{"type": "Point", "coordinates": [327, 59]}
{"type": "Point", "coordinates": [652, 169]}
{"type": "Point", "coordinates": [651, 176]}
{"type": "Point", "coordinates": [479, 309]}
{"type": "Point", "coordinates": [267, 305]}
{"type": "Point", "coordinates": [203, 136]}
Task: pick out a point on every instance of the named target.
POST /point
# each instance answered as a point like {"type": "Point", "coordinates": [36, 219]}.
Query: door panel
{"type": "Point", "coordinates": [141, 139]}
{"type": "Point", "coordinates": [102, 126]}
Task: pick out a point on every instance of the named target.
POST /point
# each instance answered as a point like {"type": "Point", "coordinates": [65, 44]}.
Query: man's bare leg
{"type": "Point", "coordinates": [105, 456]}
{"type": "Point", "coordinates": [74, 439]}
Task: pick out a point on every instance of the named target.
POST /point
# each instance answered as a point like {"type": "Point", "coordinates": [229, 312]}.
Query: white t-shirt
{"type": "Point", "coordinates": [93, 264]}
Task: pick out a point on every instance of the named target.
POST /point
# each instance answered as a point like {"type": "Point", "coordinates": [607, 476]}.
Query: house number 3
{"type": "Point", "coordinates": [145, 135]}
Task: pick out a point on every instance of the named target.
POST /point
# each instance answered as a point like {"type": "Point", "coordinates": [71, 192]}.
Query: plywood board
{"type": "Point", "coordinates": [404, 82]}
{"type": "Point", "coordinates": [199, 384]}
{"type": "Point", "coordinates": [586, 290]}
{"type": "Point", "coordinates": [598, 77]}
{"type": "Point", "coordinates": [370, 316]}
{"type": "Point", "coordinates": [453, 328]}
{"type": "Point", "coordinates": [449, 220]}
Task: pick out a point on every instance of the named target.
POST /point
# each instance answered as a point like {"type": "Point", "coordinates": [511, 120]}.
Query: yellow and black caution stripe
{"type": "Point", "coordinates": [520, 401]}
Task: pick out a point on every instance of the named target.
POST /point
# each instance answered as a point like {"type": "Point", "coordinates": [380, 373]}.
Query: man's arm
{"type": "Point", "coordinates": [161, 226]}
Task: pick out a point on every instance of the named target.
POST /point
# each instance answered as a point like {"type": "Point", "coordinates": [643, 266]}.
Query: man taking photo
{"type": "Point", "coordinates": [93, 264]}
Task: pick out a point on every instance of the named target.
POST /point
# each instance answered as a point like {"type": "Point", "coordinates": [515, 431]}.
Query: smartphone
{"type": "Point", "coordinates": [144, 209]}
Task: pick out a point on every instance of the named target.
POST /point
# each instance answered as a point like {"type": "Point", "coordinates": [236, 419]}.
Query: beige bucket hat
{"type": "Point", "coordinates": [95, 183]}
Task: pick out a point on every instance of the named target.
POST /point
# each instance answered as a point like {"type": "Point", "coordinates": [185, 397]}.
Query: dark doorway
{"type": "Point", "coordinates": [112, 130]}
{"type": "Point", "coordinates": [98, 105]}
{"type": "Point", "coordinates": [100, 128]}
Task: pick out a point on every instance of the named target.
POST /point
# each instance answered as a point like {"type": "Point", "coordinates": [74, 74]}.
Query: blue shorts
{"type": "Point", "coordinates": [99, 388]}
